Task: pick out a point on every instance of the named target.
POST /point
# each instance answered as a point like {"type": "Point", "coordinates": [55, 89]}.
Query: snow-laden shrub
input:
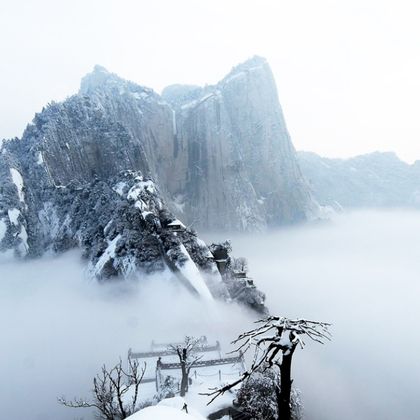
{"type": "Point", "coordinates": [258, 395]}
{"type": "Point", "coordinates": [169, 387]}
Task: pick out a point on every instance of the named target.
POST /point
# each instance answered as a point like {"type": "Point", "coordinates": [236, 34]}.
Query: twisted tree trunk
{"type": "Point", "coordinates": [283, 397]}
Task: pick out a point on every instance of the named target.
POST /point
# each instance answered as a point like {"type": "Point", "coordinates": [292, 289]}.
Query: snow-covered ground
{"type": "Point", "coordinates": [202, 377]}
{"type": "Point", "coordinates": [196, 402]}
{"type": "Point", "coordinates": [169, 409]}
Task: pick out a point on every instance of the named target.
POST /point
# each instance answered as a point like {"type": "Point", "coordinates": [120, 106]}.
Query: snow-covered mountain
{"type": "Point", "coordinates": [221, 155]}
{"type": "Point", "coordinates": [372, 180]}
{"type": "Point", "coordinates": [120, 222]}
{"type": "Point", "coordinates": [112, 169]}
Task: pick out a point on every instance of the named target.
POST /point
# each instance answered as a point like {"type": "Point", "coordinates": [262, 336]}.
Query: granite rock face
{"type": "Point", "coordinates": [84, 176]}
{"type": "Point", "coordinates": [377, 179]}
{"type": "Point", "coordinates": [221, 155]}
{"type": "Point", "coordinates": [121, 225]}
{"type": "Point", "coordinates": [111, 170]}
{"type": "Point", "coordinates": [236, 167]}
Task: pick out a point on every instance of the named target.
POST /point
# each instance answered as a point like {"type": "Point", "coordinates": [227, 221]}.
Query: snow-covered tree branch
{"type": "Point", "coordinates": [274, 341]}
{"type": "Point", "coordinates": [109, 390]}
{"type": "Point", "coordinates": [186, 352]}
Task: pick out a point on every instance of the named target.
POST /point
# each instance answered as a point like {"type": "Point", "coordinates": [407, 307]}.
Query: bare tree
{"type": "Point", "coordinates": [187, 354]}
{"type": "Point", "coordinates": [240, 264]}
{"type": "Point", "coordinates": [274, 342]}
{"type": "Point", "coordinates": [109, 389]}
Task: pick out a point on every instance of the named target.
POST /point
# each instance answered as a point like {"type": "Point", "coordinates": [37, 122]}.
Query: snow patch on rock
{"type": "Point", "coordinates": [39, 158]}
{"type": "Point", "coordinates": [13, 216]}
{"type": "Point", "coordinates": [108, 254]}
{"type": "Point", "coordinates": [192, 274]}
{"type": "Point", "coordinates": [139, 187]}
{"type": "Point", "coordinates": [18, 181]}
{"type": "Point", "coordinates": [23, 246]}
{"type": "Point", "coordinates": [3, 229]}
{"type": "Point", "coordinates": [119, 188]}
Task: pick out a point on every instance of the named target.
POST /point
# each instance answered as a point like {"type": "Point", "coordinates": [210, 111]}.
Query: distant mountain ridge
{"type": "Point", "coordinates": [378, 179]}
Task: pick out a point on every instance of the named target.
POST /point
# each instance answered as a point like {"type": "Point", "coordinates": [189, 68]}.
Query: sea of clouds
{"type": "Point", "coordinates": [361, 272]}
{"type": "Point", "coordinates": [57, 329]}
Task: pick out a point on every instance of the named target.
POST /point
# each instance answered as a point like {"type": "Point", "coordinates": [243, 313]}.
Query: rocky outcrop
{"type": "Point", "coordinates": [121, 224]}
{"type": "Point", "coordinates": [13, 207]}
{"type": "Point", "coordinates": [371, 180]}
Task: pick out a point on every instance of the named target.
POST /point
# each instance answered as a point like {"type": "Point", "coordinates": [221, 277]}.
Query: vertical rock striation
{"type": "Point", "coordinates": [236, 167]}
{"type": "Point", "coordinates": [111, 169]}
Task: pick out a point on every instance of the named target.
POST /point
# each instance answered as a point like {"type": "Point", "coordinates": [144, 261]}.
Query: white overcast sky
{"type": "Point", "coordinates": [348, 72]}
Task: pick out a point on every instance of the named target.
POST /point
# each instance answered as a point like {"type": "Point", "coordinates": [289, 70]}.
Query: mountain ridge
{"type": "Point", "coordinates": [221, 155]}
{"type": "Point", "coordinates": [377, 179]}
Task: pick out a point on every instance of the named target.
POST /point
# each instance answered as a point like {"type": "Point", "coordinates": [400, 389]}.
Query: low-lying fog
{"type": "Point", "coordinates": [57, 329]}
{"type": "Point", "coordinates": [361, 272]}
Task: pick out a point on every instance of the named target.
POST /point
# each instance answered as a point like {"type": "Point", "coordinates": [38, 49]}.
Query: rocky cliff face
{"type": "Point", "coordinates": [233, 155]}
{"type": "Point", "coordinates": [221, 155]}
{"type": "Point", "coordinates": [106, 169]}
{"type": "Point", "coordinates": [111, 169]}
{"type": "Point", "coordinates": [371, 180]}
{"type": "Point", "coordinates": [120, 222]}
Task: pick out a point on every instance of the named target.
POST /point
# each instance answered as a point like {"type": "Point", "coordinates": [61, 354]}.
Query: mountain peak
{"type": "Point", "coordinates": [253, 64]}
{"type": "Point", "coordinates": [99, 69]}
{"type": "Point", "coordinates": [98, 77]}
{"type": "Point", "coordinates": [254, 61]}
